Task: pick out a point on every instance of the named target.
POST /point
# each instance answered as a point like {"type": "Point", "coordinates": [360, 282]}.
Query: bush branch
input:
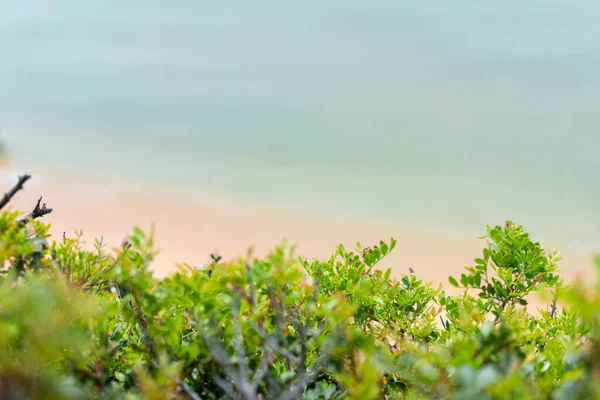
{"type": "Point", "coordinates": [151, 348]}
{"type": "Point", "coordinates": [36, 213]}
{"type": "Point", "coordinates": [8, 196]}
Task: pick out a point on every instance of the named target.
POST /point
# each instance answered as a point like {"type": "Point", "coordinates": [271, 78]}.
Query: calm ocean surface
{"type": "Point", "coordinates": [440, 115]}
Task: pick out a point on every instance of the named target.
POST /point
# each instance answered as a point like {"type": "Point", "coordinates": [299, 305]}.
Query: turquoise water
{"type": "Point", "coordinates": [442, 115]}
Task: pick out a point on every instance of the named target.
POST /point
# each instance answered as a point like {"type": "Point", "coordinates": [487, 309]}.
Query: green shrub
{"type": "Point", "coordinates": [78, 324]}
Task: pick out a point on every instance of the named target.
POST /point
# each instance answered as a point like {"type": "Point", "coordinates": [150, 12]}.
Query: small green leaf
{"type": "Point", "coordinates": [453, 281]}
{"type": "Point", "coordinates": [376, 253]}
{"type": "Point", "coordinates": [384, 247]}
{"type": "Point", "coordinates": [545, 367]}
{"type": "Point", "coordinates": [523, 302]}
{"type": "Point", "coordinates": [286, 376]}
{"type": "Point", "coordinates": [500, 289]}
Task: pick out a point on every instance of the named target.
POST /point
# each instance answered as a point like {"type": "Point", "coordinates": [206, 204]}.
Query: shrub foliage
{"type": "Point", "coordinates": [79, 324]}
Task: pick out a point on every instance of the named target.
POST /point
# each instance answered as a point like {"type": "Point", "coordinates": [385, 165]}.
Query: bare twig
{"type": "Point", "coordinates": [226, 386]}
{"type": "Point", "coordinates": [238, 339]}
{"type": "Point", "coordinates": [100, 244]}
{"type": "Point", "coordinates": [36, 213]}
{"type": "Point", "coordinates": [553, 309]}
{"type": "Point", "coordinates": [250, 284]}
{"type": "Point", "coordinates": [278, 305]}
{"type": "Point", "coordinates": [188, 390]}
{"type": "Point", "coordinates": [503, 305]}
{"type": "Point", "coordinates": [150, 348]}
{"type": "Point", "coordinates": [298, 362]}
{"type": "Point", "coordinates": [272, 343]}
{"type": "Point", "coordinates": [238, 379]}
{"type": "Point", "coordinates": [8, 196]}
{"type": "Point", "coordinates": [297, 389]}
{"type": "Point", "coordinates": [220, 355]}
{"type": "Point", "coordinates": [115, 329]}
{"type": "Point", "coordinates": [118, 290]}
{"type": "Point", "coordinates": [304, 377]}
{"type": "Point", "coordinates": [242, 293]}
{"type": "Point", "coordinates": [263, 368]}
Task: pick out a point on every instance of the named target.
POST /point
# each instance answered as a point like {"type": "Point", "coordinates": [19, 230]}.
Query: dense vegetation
{"type": "Point", "coordinates": [77, 324]}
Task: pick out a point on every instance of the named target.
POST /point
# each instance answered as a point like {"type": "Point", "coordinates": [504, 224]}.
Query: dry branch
{"type": "Point", "coordinates": [8, 196]}
{"type": "Point", "coordinates": [38, 211]}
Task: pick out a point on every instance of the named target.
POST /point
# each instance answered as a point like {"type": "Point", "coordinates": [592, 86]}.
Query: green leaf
{"type": "Point", "coordinates": [376, 253]}
{"type": "Point", "coordinates": [120, 376]}
{"type": "Point", "coordinates": [286, 376]}
{"type": "Point", "coordinates": [453, 281]}
{"type": "Point", "coordinates": [388, 273]}
{"type": "Point", "coordinates": [523, 302]}
{"type": "Point", "coordinates": [384, 247]}
{"type": "Point", "coordinates": [500, 289]}
{"type": "Point", "coordinates": [477, 280]}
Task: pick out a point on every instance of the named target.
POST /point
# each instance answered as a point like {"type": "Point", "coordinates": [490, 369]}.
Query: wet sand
{"type": "Point", "coordinates": [190, 226]}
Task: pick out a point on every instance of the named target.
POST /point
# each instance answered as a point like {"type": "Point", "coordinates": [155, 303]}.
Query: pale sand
{"type": "Point", "coordinates": [190, 226]}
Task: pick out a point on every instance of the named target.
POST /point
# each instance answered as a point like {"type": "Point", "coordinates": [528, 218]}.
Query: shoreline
{"type": "Point", "coordinates": [190, 226]}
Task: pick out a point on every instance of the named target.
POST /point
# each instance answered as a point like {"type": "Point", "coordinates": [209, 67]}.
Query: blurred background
{"type": "Point", "coordinates": [442, 116]}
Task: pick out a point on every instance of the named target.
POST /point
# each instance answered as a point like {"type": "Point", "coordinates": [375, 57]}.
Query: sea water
{"type": "Point", "coordinates": [444, 115]}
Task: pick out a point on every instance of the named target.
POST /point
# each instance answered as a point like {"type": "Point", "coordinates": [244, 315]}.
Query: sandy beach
{"type": "Point", "coordinates": [191, 226]}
